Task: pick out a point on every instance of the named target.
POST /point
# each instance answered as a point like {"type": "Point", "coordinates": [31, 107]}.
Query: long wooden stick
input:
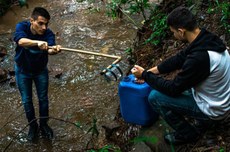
{"type": "Point", "coordinates": [89, 52]}
{"type": "Point", "coordinates": [118, 58]}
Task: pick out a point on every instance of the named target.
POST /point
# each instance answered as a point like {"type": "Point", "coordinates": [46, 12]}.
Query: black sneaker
{"type": "Point", "coordinates": [33, 132]}
{"type": "Point", "coordinates": [46, 131]}
{"type": "Point", "coordinates": [177, 139]}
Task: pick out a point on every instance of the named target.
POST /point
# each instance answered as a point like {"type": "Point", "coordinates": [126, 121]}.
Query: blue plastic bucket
{"type": "Point", "coordinates": [134, 104]}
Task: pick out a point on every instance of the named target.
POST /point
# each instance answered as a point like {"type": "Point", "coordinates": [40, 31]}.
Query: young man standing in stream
{"type": "Point", "coordinates": [33, 38]}
{"type": "Point", "coordinates": [200, 91]}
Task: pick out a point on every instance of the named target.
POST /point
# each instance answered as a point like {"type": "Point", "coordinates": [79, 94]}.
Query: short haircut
{"type": "Point", "coordinates": [182, 17]}
{"type": "Point", "coordinates": [40, 11]}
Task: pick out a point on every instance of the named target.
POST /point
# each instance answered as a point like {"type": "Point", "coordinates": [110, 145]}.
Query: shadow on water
{"type": "Point", "coordinates": [81, 93]}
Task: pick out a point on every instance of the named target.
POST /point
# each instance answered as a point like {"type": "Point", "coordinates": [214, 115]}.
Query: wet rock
{"type": "Point", "coordinates": [153, 138]}
{"type": "Point", "coordinates": [110, 129]}
{"type": "Point", "coordinates": [55, 72]}
{"type": "Point", "coordinates": [120, 133]}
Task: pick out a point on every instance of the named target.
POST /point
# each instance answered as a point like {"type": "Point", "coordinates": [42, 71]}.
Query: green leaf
{"type": "Point", "coordinates": [128, 51]}
{"type": "Point", "coordinates": [145, 139]}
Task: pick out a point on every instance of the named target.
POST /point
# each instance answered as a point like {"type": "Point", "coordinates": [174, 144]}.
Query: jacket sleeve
{"type": "Point", "coordinates": [194, 70]}
{"type": "Point", "coordinates": [20, 32]}
{"type": "Point", "coordinates": [50, 38]}
{"type": "Point", "coordinates": [173, 63]}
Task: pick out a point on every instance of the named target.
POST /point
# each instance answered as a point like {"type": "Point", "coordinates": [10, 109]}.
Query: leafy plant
{"type": "Point", "coordinates": [223, 9]}
{"type": "Point", "coordinates": [189, 2]}
{"type": "Point", "coordinates": [93, 130]}
{"type": "Point", "coordinates": [158, 26]}
{"type": "Point", "coordinates": [128, 51]}
{"type": "Point", "coordinates": [145, 139]}
{"type": "Point", "coordinates": [221, 150]}
{"type": "Point", "coordinates": [116, 8]}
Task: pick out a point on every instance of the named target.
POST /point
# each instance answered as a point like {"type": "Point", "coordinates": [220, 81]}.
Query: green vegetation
{"type": "Point", "coordinates": [221, 150]}
{"type": "Point", "coordinates": [6, 4]}
{"type": "Point", "coordinates": [118, 7]}
{"type": "Point", "coordinates": [223, 9]}
{"type": "Point", "coordinates": [93, 129]}
{"type": "Point", "coordinates": [157, 20]}
{"type": "Point", "coordinates": [158, 26]}
{"type": "Point", "coordinates": [144, 139]}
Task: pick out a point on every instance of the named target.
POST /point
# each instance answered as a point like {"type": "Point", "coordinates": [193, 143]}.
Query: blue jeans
{"type": "Point", "coordinates": [174, 110]}
{"type": "Point", "coordinates": [24, 82]}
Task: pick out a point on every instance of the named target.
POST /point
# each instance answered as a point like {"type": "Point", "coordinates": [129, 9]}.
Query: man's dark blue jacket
{"type": "Point", "coordinates": [31, 59]}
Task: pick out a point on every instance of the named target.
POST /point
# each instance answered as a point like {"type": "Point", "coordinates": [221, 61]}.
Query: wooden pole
{"type": "Point", "coordinates": [118, 58]}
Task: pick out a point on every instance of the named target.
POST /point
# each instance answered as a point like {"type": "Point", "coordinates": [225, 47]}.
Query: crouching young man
{"type": "Point", "coordinates": [200, 91]}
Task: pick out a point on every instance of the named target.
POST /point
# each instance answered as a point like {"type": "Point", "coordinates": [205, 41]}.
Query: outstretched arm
{"type": "Point", "coordinates": [25, 42]}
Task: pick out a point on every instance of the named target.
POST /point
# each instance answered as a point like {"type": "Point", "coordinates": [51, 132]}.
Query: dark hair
{"type": "Point", "coordinates": [40, 11]}
{"type": "Point", "coordinates": [182, 17]}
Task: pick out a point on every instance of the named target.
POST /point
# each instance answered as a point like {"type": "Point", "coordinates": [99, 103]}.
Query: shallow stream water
{"type": "Point", "coordinates": [81, 93]}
